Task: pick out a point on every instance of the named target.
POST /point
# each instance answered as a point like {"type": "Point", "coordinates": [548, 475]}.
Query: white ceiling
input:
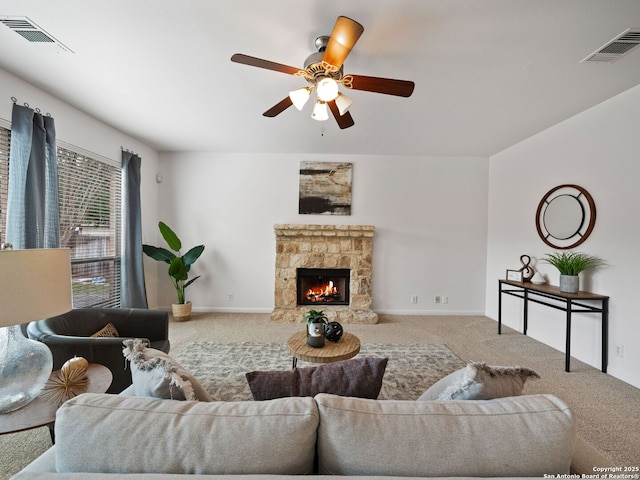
{"type": "Point", "coordinates": [488, 73]}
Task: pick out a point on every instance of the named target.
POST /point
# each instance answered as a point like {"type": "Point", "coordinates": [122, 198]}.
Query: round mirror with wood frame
{"type": "Point", "coordinates": [566, 216]}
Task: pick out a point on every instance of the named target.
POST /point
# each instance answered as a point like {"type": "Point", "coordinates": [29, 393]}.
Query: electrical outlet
{"type": "Point", "coordinates": [620, 350]}
{"type": "Point", "coordinates": [414, 298]}
{"type": "Point", "coordinates": [444, 299]}
{"type": "Point", "coordinates": [230, 297]}
{"type": "Point", "coordinates": [438, 299]}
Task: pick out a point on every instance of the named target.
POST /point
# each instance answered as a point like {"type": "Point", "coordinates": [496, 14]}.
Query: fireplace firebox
{"type": "Point", "coordinates": [323, 286]}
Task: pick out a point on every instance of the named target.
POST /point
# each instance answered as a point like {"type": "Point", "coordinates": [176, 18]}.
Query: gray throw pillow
{"type": "Point", "coordinates": [479, 381]}
{"type": "Point", "coordinates": [156, 374]}
{"type": "Point", "coordinates": [357, 377]}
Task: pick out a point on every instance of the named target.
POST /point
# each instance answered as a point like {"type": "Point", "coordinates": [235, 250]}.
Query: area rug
{"type": "Point", "coordinates": [221, 367]}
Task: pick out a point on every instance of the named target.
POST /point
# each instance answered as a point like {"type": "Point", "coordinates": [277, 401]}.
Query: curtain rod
{"type": "Point", "coordinates": [37, 110]}
{"type": "Point", "coordinates": [129, 151]}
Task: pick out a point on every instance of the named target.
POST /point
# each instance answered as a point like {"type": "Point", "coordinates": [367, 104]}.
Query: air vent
{"type": "Point", "coordinates": [616, 48]}
{"type": "Point", "coordinates": [31, 32]}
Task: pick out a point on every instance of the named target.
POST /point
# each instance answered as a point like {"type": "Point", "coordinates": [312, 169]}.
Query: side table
{"type": "Point", "coordinates": [41, 412]}
{"type": "Point", "coordinates": [347, 347]}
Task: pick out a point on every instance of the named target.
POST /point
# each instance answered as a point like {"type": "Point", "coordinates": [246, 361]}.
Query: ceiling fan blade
{"type": "Point", "coordinates": [279, 107]}
{"type": "Point", "coordinates": [344, 121]}
{"type": "Point", "coordinates": [260, 63]}
{"type": "Point", "coordinates": [389, 86]}
{"type": "Point", "coordinates": [344, 36]}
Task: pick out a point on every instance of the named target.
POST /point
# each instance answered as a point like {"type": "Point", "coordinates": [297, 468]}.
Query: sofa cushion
{"type": "Point", "coordinates": [479, 381]}
{"type": "Point", "coordinates": [156, 374]}
{"type": "Point", "coordinates": [116, 434]}
{"type": "Point", "coordinates": [357, 377]}
{"type": "Point", "coordinates": [528, 435]}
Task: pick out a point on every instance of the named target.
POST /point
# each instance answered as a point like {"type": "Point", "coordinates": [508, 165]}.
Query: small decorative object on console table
{"type": "Point", "coordinates": [570, 264]}
{"type": "Point", "coordinates": [34, 284]}
{"type": "Point", "coordinates": [179, 266]}
{"type": "Point", "coordinates": [316, 322]}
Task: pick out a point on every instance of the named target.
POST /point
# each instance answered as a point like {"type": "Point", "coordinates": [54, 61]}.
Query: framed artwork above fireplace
{"type": "Point", "coordinates": [325, 188]}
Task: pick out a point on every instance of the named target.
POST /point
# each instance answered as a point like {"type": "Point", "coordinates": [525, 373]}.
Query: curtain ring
{"type": "Point", "coordinates": [14, 99]}
{"type": "Point", "coordinates": [37, 110]}
{"type": "Point", "coordinates": [26, 104]}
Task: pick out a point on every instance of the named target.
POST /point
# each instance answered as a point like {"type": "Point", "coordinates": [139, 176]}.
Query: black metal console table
{"type": "Point", "coordinates": [551, 296]}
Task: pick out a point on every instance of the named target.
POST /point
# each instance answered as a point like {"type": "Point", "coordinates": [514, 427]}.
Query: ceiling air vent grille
{"type": "Point", "coordinates": [31, 32]}
{"type": "Point", "coordinates": [616, 48]}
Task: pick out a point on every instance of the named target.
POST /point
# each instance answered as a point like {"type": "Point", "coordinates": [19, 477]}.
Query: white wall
{"type": "Point", "coordinates": [77, 128]}
{"type": "Point", "coordinates": [598, 150]}
{"type": "Point", "coordinates": [430, 216]}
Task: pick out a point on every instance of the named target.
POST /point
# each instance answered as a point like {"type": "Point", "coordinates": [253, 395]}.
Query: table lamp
{"type": "Point", "coordinates": [34, 284]}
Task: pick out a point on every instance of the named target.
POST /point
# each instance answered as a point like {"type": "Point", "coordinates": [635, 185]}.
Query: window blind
{"type": "Point", "coordinates": [5, 141]}
{"type": "Point", "coordinates": [90, 224]}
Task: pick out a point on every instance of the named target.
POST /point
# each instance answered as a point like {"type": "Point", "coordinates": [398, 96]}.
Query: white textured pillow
{"type": "Point", "coordinates": [479, 381]}
{"type": "Point", "coordinates": [156, 374]}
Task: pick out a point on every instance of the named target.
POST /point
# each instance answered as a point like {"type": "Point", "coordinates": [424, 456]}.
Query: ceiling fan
{"type": "Point", "coordinates": [323, 70]}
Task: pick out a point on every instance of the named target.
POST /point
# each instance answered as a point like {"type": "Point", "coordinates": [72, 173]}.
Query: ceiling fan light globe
{"type": "Point", "coordinates": [299, 97]}
{"type": "Point", "coordinates": [320, 111]}
{"type": "Point", "coordinates": [327, 89]}
{"type": "Point", "coordinates": [343, 103]}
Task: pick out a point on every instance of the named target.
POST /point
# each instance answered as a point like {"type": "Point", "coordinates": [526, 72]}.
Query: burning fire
{"type": "Point", "coordinates": [324, 293]}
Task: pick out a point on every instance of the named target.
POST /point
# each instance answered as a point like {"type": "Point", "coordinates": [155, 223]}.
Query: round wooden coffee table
{"type": "Point", "coordinates": [347, 347]}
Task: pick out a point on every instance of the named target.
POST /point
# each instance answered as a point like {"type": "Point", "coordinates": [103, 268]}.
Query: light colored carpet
{"type": "Point", "coordinates": [606, 409]}
{"type": "Point", "coordinates": [221, 367]}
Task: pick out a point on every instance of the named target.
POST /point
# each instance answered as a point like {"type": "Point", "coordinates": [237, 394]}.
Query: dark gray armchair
{"type": "Point", "coordinates": [70, 334]}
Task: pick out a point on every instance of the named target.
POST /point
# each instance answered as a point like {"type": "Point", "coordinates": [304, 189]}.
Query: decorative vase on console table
{"type": "Point", "coordinates": [569, 283]}
{"type": "Point", "coordinates": [316, 322]}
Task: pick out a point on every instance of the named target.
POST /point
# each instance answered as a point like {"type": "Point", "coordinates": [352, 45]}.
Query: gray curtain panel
{"type": "Point", "coordinates": [133, 294]}
{"type": "Point", "coordinates": [33, 215]}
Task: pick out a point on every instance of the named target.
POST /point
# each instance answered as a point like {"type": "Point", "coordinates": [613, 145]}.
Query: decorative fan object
{"type": "Point", "coordinates": [323, 70]}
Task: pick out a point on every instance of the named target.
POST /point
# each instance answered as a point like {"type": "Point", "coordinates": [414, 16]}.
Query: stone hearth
{"type": "Point", "coordinates": [324, 246]}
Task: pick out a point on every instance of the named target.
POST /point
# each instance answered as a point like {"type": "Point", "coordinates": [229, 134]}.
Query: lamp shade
{"type": "Point", "coordinates": [327, 89]}
{"type": "Point", "coordinates": [34, 284]}
{"type": "Point", "coordinates": [299, 97]}
{"type": "Point", "coordinates": [343, 103]}
{"type": "Point", "coordinates": [320, 111]}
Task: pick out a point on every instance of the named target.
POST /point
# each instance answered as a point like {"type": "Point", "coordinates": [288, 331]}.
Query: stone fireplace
{"type": "Point", "coordinates": [336, 261]}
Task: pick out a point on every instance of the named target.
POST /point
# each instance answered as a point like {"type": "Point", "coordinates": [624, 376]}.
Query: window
{"type": "Point", "coordinates": [5, 140]}
{"type": "Point", "coordinates": [90, 221]}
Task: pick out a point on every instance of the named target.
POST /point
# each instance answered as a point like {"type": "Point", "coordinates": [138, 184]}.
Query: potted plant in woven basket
{"type": "Point", "coordinates": [316, 322]}
{"type": "Point", "coordinates": [570, 264]}
{"type": "Point", "coordinates": [179, 267]}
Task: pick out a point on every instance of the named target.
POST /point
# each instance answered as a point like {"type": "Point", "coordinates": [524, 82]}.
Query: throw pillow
{"type": "Point", "coordinates": [107, 331]}
{"type": "Point", "coordinates": [357, 377]}
{"type": "Point", "coordinates": [156, 374]}
{"type": "Point", "coordinates": [479, 381]}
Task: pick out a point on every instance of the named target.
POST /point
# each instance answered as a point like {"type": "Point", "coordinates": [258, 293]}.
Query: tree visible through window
{"type": "Point", "coordinates": [90, 222]}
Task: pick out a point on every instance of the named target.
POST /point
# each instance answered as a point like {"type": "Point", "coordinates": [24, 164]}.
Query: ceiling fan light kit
{"type": "Point", "coordinates": [323, 70]}
{"type": "Point", "coordinates": [299, 97]}
{"type": "Point", "coordinates": [320, 112]}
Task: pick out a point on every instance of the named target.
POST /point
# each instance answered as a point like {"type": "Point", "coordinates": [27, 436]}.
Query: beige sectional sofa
{"type": "Point", "coordinates": [101, 436]}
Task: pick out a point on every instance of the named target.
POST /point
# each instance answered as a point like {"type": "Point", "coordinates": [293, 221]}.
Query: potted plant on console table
{"type": "Point", "coordinates": [570, 264]}
{"type": "Point", "coordinates": [179, 266]}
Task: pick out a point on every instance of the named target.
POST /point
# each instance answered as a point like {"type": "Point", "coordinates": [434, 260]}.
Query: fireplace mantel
{"type": "Point", "coordinates": [324, 246]}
